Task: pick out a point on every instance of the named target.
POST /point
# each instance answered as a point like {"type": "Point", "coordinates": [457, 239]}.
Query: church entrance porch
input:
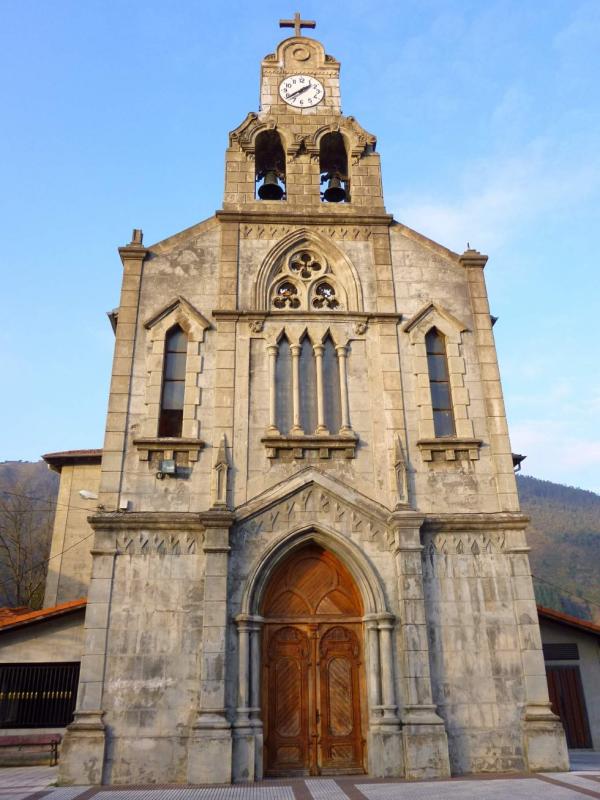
{"type": "Point", "coordinates": [312, 676]}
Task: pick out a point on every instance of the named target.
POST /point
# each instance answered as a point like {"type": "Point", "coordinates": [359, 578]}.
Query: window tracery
{"type": "Point", "coordinates": [325, 297]}
{"type": "Point", "coordinates": [300, 284]}
{"type": "Point", "coordinates": [308, 395]}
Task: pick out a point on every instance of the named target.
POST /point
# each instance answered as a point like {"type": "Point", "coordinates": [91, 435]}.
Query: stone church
{"type": "Point", "coordinates": [308, 556]}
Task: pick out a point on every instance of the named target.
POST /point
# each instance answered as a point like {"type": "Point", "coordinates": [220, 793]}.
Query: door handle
{"type": "Point", "coordinates": [318, 716]}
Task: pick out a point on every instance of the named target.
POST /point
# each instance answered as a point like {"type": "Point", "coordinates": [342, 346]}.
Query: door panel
{"type": "Point", "coordinates": [568, 702]}
{"type": "Point", "coordinates": [286, 724]}
{"type": "Point", "coordinates": [340, 735]}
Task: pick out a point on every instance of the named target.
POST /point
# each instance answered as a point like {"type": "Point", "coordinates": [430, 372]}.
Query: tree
{"type": "Point", "coordinates": [25, 536]}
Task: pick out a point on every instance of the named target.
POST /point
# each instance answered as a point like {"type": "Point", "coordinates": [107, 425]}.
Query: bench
{"type": "Point", "coordinates": [49, 741]}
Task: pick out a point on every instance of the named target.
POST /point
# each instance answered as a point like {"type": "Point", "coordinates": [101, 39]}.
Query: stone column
{"type": "Point", "coordinates": [209, 753]}
{"type": "Point", "coordinates": [272, 350]}
{"type": "Point", "coordinates": [342, 353]}
{"type": "Point", "coordinates": [544, 738]}
{"type": "Point", "coordinates": [247, 733]}
{"type": "Point", "coordinates": [321, 427]}
{"type": "Point", "coordinates": [374, 674]}
{"type": "Point", "coordinates": [423, 730]}
{"type": "Point", "coordinates": [83, 747]}
{"type": "Point", "coordinates": [296, 427]}
{"type": "Point", "coordinates": [384, 738]}
{"type": "Point", "coordinates": [386, 653]}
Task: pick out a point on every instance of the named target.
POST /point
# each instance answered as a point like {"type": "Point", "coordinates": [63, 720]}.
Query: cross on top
{"type": "Point", "coordinates": [297, 24]}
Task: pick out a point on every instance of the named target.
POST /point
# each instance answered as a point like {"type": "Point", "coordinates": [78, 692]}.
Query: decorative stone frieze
{"type": "Point", "coordinates": [326, 445]}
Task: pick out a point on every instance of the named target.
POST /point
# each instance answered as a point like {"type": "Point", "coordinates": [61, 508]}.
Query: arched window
{"type": "Point", "coordinates": [270, 166]}
{"type": "Point", "coordinates": [308, 387]}
{"type": "Point", "coordinates": [331, 387]}
{"type": "Point", "coordinates": [441, 400]}
{"type": "Point", "coordinates": [333, 166]}
{"type": "Point", "coordinates": [173, 386]}
{"type": "Point", "coordinates": [283, 383]}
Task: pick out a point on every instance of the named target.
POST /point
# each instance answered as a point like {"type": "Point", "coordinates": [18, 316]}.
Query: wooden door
{"type": "Point", "coordinates": [568, 702]}
{"type": "Point", "coordinates": [312, 685]}
{"type": "Point", "coordinates": [287, 671]}
{"type": "Point", "coordinates": [340, 735]}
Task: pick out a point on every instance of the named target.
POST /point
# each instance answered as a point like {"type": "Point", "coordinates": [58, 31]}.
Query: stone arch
{"type": "Point", "coordinates": [353, 558]}
{"type": "Point", "coordinates": [342, 268]}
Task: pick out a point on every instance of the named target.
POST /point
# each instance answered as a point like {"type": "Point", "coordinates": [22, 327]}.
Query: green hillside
{"type": "Point", "coordinates": [564, 536]}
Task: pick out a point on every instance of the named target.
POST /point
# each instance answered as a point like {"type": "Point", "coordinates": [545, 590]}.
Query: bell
{"type": "Point", "coordinates": [335, 192]}
{"type": "Point", "coordinates": [270, 189]}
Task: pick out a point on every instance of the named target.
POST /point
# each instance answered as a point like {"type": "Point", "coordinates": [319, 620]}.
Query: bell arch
{"type": "Point", "coordinates": [342, 269]}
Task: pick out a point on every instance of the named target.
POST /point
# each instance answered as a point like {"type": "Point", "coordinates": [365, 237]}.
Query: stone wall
{"type": "Point", "coordinates": [153, 658]}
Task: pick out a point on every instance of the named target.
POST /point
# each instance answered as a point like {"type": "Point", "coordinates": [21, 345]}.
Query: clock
{"type": "Point", "coordinates": [301, 91]}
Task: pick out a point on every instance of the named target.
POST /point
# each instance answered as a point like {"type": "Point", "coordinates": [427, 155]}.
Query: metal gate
{"type": "Point", "coordinates": [38, 695]}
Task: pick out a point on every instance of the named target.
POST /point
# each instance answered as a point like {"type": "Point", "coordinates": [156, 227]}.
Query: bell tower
{"type": "Point", "coordinates": [299, 150]}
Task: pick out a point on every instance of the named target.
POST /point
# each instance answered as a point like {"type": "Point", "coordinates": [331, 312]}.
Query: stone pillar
{"type": "Point", "coordinates": [209, 753]}
{"type": "Point", "coordinates": [342, 353]}
{"type": "Point", "coordinates": [373, 677]}
{"type": "Point", "coordinates": [255, 709]}
{"type": "Point", "coordinates": [83, 747]}
{"type": "Point", "coordinates": [247, 733]}
{"type": "Point", "coordinates": [272, 350]}
{"type": "Point", "coordinates": [321, 427]}
{"type": "Point", "coordinates": [296, 427]}
{"type": "Point", "coordinates": [384, 739]}
{"type": "Point", "coordinates": [499, 442]}
{"type": "Point", "coordinates": [543, 734]}
{"type": "Point", "coordinates": [115, 437]}
{"type": "Point", "coordinates": [423, 730]}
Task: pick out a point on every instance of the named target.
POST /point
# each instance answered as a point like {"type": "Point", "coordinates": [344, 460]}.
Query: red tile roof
{"type": "Point", "coordinates": [16, 617]}
{"type": "Point", "coordinates": [567, 619]}
{"type": "Point", "coordinates": [57, 460]}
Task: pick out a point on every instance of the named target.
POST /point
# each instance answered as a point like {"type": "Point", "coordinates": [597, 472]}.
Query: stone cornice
{"type": "Point", "coordinates": [461, 523]}
{"type": "Point", "coordinates": [114, 521]}
{"type": "Point", "coordinates": [375, 316]}
{"type": "Point", "coordinates": [304, 216]}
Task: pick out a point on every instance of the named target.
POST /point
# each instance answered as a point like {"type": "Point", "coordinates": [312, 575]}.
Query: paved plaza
{"type": "Point", "coordinates": [35, 783]}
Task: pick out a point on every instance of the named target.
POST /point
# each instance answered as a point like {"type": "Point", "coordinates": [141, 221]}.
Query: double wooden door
{"type": "Point", "coordinates": [311, 693]}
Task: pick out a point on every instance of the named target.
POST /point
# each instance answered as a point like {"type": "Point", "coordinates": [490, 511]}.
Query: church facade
{"type": "Point", "coordinates": [308, 555]}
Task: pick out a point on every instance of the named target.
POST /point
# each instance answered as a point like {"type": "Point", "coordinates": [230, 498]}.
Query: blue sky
{"type": "Point", "coordinates": [116, 116]}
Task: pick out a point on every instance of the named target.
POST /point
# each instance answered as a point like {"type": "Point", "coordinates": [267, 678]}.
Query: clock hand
{"type": "Point", "coordinates": [298, 91]}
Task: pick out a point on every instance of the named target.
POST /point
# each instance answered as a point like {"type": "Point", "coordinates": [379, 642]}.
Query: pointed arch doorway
{"type": "Point", "coordinates": [312, 670]}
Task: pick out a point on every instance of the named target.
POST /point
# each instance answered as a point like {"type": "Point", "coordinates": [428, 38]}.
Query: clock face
{"type": "Point", "coordinates": [301, 91]}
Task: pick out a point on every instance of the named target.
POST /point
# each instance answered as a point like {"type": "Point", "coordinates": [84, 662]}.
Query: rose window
{"type": "Point", "coordinates": [305, 265]}
{"type": "Point", "coordinates": [286, 296]}
{"type": "Point", "coordinates": [325, 296]}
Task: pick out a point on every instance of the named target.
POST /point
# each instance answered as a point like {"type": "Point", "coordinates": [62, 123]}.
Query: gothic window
{"type": "Point", "coordinates": [270, 166]}
{"type": "Point", "coordinates": [306, 282]}
{"type": "Point", "coordinates": [283, 383]}
{"type": "Point", "coordinates": [308, 392]}
{"type": "Point", "coordinates": [333, 166]}
{"type": "Point", "coordinates": [173, 386]}
{"type": "Point", "coordinates": [441, 401]}
{"type": "Point", "coordinates": [331, 386]}
{"type": "Point", "coordinates": [308, 387]}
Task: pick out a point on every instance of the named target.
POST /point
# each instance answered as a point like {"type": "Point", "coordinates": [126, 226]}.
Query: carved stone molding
{"type": "Point", "coordinates": [160, 544]}
{"type": "Point", "coordinates": [457, 544]}
{"type": "Point", "coordinates": [450, 449]}
{"type": "Point", "coordinates": [150, 448]}
{"type": "Point", "coordinates": [297, 445]}
{"type": "Point", "coordinates": [351, 233]}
